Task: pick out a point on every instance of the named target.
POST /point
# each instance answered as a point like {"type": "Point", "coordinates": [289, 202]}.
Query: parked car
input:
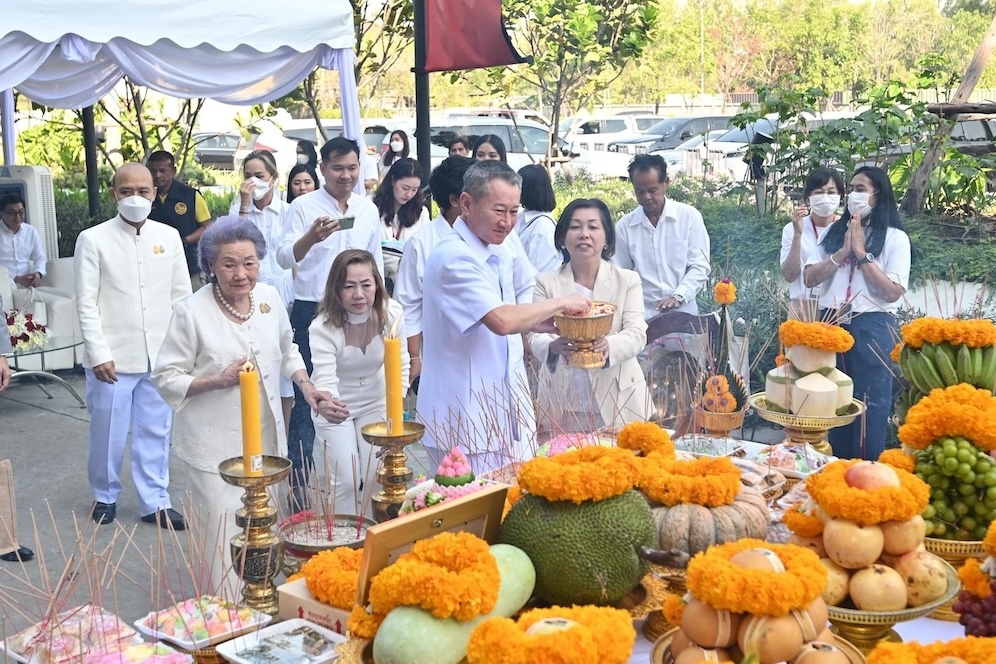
{"type": "Point", "coordinates": [669, 133]}
{"type": "Point", "coordinates": [216, 150]}
{"type": "Point", "coordinates": [596, 133]}
{"type": "Point", "coordinates": [696, 147]}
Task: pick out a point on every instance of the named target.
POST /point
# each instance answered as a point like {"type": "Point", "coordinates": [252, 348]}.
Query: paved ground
{"type": "Point", "coordinates": [45, 438]}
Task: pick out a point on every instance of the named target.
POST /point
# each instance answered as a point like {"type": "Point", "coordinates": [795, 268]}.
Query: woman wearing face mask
{"type": "Point", "coordinates": [401, 204]}
{"type": "Point", "coordinates": [302, 180]}
{"type": "Point", "coordinates": [258, 202]}
{"type": "Point", "coordinates": [306, 154]}
{"type": "Point", "coordinates": [347, 347]}
{"type": "Point", "coordinates": [811, 220]}
{"type": "Point", "coordinates": [398, 149]}
{"type": "Point", "coordinates": [489, 146]}
{"type": "Point", "coordinates": [863, 270]}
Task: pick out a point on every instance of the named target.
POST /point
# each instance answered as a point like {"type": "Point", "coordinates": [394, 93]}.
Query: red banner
{"type": "Point", "coordinates": [466, 34]}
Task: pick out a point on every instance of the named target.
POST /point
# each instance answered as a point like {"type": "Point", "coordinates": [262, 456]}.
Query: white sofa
{"type": "Point", "coordinates": [60, 313]}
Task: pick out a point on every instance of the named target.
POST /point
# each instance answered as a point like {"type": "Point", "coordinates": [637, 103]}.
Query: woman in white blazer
{"type": "Point", "coordinates": [570, 399]}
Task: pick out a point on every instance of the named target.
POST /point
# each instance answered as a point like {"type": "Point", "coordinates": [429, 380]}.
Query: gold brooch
{"type": "Point", "coordinates": [264, 308]}
{"type": "Point", "coordinates": [158, 249]}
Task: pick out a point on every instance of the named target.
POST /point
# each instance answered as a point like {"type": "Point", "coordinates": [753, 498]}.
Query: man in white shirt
{"type": "Point", "coordinates": [314, 236]}
{"type": "Point", "coordinates": [130, 273]}
{"type": "Point", "coordinates": [663, 240]}
{"type": "Point", "coordinates": [21, 249]}
{"type": "Point", "coordinates": [475, 392]}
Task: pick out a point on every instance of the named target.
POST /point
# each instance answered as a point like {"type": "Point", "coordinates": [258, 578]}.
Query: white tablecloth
{"type": "Point", "coordinates": [924, 630]}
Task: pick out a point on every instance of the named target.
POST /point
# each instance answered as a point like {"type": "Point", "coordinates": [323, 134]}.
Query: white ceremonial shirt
{"type": "Point", "coordinates": [394, 242]}
{"type": "Point", "coordinates": [473, 389]}
{"type": "Point", "coordinates": [809, 245]}
{"type": "Point", "coordinates": [270, 222]}
{"type": "Point", "coordinates": [21, 252]}
{"type": "Point", "coordinates": [536, 231]}
{"type": "Point", "coordinates": [671, 259]}
{"type": "Point", "coordinates": [313, 269]}
{"type": "Point", "coordinates": [411, 271]}
{"type": "Point", "coordinates": [127, 284]}
{"type": "Point", "coordinates": [848, 282]}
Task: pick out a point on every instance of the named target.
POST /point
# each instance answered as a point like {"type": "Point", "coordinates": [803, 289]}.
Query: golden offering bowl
{"type": "Point", "coordinates": [954, 553]}
{"type": "Point", "coordinates": [865, 629]}
{"type": "Point", "coordinates": [661, 654]}
{"type": "Point", "coordinates": [802, 429]}
{"type": "Point", "coordinates": [583, 331]}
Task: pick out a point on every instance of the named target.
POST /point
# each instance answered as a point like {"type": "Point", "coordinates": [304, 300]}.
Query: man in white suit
{"type": "Point", "coordinates": [130, 273]}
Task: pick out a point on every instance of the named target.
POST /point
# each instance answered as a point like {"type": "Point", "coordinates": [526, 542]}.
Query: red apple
{"type": "Point", "coordinates": [870, 475]}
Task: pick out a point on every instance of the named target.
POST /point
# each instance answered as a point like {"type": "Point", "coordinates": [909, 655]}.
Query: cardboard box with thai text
{"type": "Point", "coordinates": [294, 600]}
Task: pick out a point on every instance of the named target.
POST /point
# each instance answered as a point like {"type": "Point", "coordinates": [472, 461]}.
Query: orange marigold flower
{"type": "Point", "coordinates": [898, 459]}
{"type": "Point", "coordinates": [725, 292]}
{"type": "Point", "coordinates": [589, 473]}
{"type": "Point", "coordinates": [645, 437]}
{"type": "Point", "coordinates": [363, 622]}
{"type": "Point", "coordinates": [895, 352]}
{"type": "Point", "coordinates": [989, 543]}
{"type": "Point", "coordinates": [818, 335]}
{"type": "Point", "coordinates": [976, 333]}
{"type": "Point", "coordinates": [841, 501]}
{"type": "Point", "coordinates": [802, 523]}
{"type": "Point", "coordinates": [333, 576]}
{"type": "Point", "coordinates": [674, 606]}
{"type": "Point", "coordinates": [780, 360]}
{"type": "Point", "coordinates": [974, 579]}
{"type": "Point", "coordinates": [958, 410]}
{"type": "Point", "coordinates": [708, 481]}
{"type": "Point", "coordinates": [974, 649]}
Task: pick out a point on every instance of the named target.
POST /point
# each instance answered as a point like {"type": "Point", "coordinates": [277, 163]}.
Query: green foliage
{"type": "Point", "coordinates": [617, 194]}
{"type": "Point", "coordinates": [196, 175]}
{"type": "Point", "coordinates": [57, 143]}
{"type": "Point", "coordinates": [72, 213]}
{"type": "Point", "coordinates": [218, 204]}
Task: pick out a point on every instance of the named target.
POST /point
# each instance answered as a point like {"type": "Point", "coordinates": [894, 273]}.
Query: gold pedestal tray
{"type": "Point", "coordinates": [955, 554]}
{"type": "Point", "coordinates": [865, 629]}
{"type": "Point", "coordinates": [257, 551]}
{"type": "Point", "coordinates": [661, 654]}
{"type": "Point", "coordinates": [809, 430]}
{"type": "Point", "coordinates": [393, 474]}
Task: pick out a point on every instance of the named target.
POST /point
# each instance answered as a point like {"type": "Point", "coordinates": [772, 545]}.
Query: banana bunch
{"type": "Point", "coordinates": [936, 366]}
{"type": "Point", "coordinates": [907, 400]}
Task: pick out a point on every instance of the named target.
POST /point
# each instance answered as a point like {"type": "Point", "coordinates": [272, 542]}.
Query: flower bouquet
{"type": "Point", "coordinates": [723, 397]}
{"type": "Point", "coordinates": [25, 333]}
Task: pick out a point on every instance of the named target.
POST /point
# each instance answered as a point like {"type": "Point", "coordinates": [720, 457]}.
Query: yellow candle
{"type": "Point", "coordinates": [252, 433]}
{"type": "Point", "coordinates": [392, 372]}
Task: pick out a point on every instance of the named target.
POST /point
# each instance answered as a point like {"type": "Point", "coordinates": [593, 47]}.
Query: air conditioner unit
{"type": "Point", "coordinates": [34, 184]}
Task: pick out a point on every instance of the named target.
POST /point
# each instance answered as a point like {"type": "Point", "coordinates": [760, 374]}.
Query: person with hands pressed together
{"type": "Point", "coordinates": [664, 241]}
{"type": "Point", "coordinates": [474, 390]}
{"type": "Point", "coordinates": [313, 237]}
{"type": "Point", "coordinates": [581, 399]}
{"type": "Point", "coordinates": [131, 273]}
{"type": "Point", "coordinates": [863, 269]}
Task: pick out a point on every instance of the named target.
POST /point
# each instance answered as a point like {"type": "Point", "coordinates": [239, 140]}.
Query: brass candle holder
{"type": "Point", "coordinates": [258, 551]}
{"type": "Point", "coordinates": [393, 473]}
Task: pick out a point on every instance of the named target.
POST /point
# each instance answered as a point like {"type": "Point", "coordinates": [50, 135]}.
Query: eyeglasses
{"type": "Point", "coordinates": [13, 213]}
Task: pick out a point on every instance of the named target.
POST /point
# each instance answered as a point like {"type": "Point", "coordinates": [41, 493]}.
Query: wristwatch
{"type": "Point", "coordinates": [869, 257]}
{"type": "Point", "coordinates": [679, 297]}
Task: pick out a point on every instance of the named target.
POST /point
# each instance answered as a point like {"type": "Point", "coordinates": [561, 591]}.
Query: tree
{"type": "Point", "coordinates": [385, 30]}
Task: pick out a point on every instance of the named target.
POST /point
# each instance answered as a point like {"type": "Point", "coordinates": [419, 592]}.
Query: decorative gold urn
{"type": "Point", "coordinates": [582, 331]}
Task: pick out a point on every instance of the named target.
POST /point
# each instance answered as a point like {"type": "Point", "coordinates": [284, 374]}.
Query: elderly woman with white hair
{"type": "Point", "coordinates": [211, 335]}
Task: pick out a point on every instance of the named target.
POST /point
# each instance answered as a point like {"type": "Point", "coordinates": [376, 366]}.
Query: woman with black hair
{"type": "Point", "coordinates": [863, 268]}
{"type": "Point", "coordinates": [306, 154]}
{"type": "Point", "coordinates": [397, 148]}
{"type": "Point", "coordinates": [302, 180]}
{"type": "Point", "coordinates": [489, 146]}
{"type": "Point", "coordinates": [535, 224]}
{"type": "Point", "coordinates": [401, 204]}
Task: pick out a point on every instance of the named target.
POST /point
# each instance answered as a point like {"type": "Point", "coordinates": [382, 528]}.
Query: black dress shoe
{"type": "Point", "coordinates": [104, 512]}
{"type": "Point", "coordinates": [167, 518]}
{"type": "Point", "coordinates": [23, 553]}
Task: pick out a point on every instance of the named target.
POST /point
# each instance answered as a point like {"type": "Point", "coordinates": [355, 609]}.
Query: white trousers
{"type": "Point", "coordinates": [131, 404]}
{"type": "Point", "coordinates": [339, 448]}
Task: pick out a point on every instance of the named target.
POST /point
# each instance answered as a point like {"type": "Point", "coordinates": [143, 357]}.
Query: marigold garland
{"type": "Point", "coordinates": [713, 579]}
{"type": "Point", "coordinates": [989, 541]}
{"type": "Point", "coordinates": [363, 622]}
{"type": "Point", "coordinates": [974, 579]}
{"type": "Point", "coordinates": [841, 501]}
{"type": "Point", "coordinates": [645, 437]}
{"type": "Point", "coordinates": [602, 634]}
{"type": "Point", "coordinates": [896, 350]}
{"type": "Point", "coordinates": [674, 607]}
{"type": "Point", "coordinates": [975, 333]}
{"type": "Point", "coordinates": [972, 649]}
{"type": "Point", "coordinates": [333, 576]}
{"type": "Point", "coordinates": [511, 498]}
{"type": "Point", "coordinates": [707, 481]}
{"type": "Point", "coordinates": [898, 459]}
{"type": "Point", "coordinates": [451, 575]}
{"type": "Point", "coordinates": [818, 335]}
{"type": "Point", "coordinates": [958, 410]}
{"type": "Point", "coordinates": [802, 524]}
{"type": "Point", "coordinates": [781, 360]}
{"type": "Point", "coordinates": [725, 292]}
{"type": "Point", "coordinates": [589, 473]}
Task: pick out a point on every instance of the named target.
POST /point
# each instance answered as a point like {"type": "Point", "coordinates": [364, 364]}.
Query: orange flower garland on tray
{"type": "Point", "coordinates": [576, 635]}
{"type": "Point", "coordinates": [972, 649]}
{"type": "Point", "coordinates": [645, 437]}
{"type": "Point", "coordinates": [898, 459]}
{"type": "Point", "coordinates": [707, 481]}
{"type": "Point", "coordinates": [802, 523]}
{"type": "Point", "coordinates": [818, 335]}
{"type": "Point", "coordinates": [841, 501]}
{"type": "Point", "coordinates": [590, 473]}
{"type": "Point", "coordinates": [958, 410]}
{"type": "Point", "coordinates": [974, 333]}
{"type": "Point", "coordinates": [973, 578]}
{"type": "Point", "coordinates": [333, 576]}
{"type": "Point", "coordinates": [713, 579]}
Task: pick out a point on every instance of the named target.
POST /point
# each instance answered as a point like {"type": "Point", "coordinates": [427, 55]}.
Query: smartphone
{"type": "Point", "coordinates": [345, 223]}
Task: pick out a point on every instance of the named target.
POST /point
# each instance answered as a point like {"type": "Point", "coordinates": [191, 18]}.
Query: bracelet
{"type": "Point", "coordinates": [241, 211]}
{"type": "Point", "coordinates": [418, 357]}
{"type": "Point", "coordinates": [306, 380]}
{"type": "Point", "coordinates": [833, 261]}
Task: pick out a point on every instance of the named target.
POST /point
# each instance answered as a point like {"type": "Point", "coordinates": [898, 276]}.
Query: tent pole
{"type": "Point", "coordinates": [90, 152]}
{"type": "Point", "coordinates": [422, 128]}
{"type": "Point", "coordinates": [7, 126]}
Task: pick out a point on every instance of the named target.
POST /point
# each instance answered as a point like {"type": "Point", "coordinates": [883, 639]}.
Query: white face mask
{"type": "Point", "coordinates": [260, 188]}
{"type": "Point", "coordinates": [134, 208]}
{"type": "Point", "coordinates": [824, 205]}
{"type": "Point", "coordinates": [857, 203]}
{"type": "Point", "coordinates": [397, 146]}
{"type": "Point", "coordinates": [302, 159]}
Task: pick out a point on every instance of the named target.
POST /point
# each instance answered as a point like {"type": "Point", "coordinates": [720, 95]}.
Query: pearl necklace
{"type": "Point", "coordinates": [231, 309]}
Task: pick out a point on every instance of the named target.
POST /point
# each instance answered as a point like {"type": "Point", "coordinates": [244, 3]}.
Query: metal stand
{"type": "Point", "coordinates": [393, 474]}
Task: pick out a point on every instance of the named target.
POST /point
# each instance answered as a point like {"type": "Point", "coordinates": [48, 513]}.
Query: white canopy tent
{"type": "Point", "coordinates": [70, 53]}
